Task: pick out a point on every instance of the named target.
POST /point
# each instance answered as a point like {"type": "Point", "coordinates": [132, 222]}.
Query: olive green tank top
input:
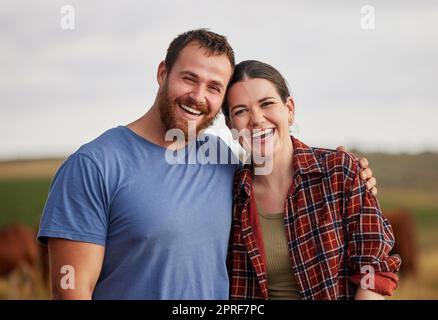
{"type": "Point", "coordinates": [281, 280]}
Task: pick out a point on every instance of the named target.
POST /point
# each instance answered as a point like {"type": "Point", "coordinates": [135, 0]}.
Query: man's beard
{"type": "Point", "coordinates": [170, 119]}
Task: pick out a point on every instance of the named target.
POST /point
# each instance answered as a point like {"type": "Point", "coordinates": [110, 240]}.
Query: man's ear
{"type": "Point", "coordinates": [161, 74]}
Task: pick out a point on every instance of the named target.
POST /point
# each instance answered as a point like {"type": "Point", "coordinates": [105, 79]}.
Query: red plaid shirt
{"type": "Point", "coordinates": [333, 225]}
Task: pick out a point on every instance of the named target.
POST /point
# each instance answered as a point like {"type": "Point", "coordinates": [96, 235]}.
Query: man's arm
{"type": "Point", "coordinates": [364, 294]}
{"type": "Point", "coordinates": [370, 239]}
{"type": "Point", "coordinates": [85, 259]}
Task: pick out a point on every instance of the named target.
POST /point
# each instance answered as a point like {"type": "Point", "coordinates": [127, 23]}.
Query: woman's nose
{"type": "Point", "coordinates": [257, 118]}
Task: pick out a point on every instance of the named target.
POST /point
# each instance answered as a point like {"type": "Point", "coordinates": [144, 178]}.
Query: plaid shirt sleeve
{"type": "Point", "coordinates": [370, 236]}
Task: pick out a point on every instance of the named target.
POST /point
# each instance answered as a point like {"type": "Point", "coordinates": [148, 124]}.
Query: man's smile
{"type": "Point", "coordinates": [190, 110]}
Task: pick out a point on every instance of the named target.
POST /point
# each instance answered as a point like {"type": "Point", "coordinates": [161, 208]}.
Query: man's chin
{"type": "Point", "coordinates": [192, 130]}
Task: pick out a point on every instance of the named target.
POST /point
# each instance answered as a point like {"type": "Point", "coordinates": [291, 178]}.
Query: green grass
{"type": "Point", "coordinates": [415, 172]}
{"type": "Point", "coordinates": [404, 181]}
{"type": "Point", "coordinates": [23, 200]}
{"type": "Point", "coordinates": [423, 204]}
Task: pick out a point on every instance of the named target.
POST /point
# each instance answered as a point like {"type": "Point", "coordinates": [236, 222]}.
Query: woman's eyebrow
{"type": "Point", "coordinates": [264, 99]}
{"type": "Point", "coordinates": [260, 101]}
{"type": "Point", "coordinates": [237, 106]}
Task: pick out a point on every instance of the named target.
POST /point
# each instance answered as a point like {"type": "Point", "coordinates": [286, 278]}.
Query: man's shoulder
{"type": "Point", "coordinates": [225, 154]}
{"type": "Point", "coordinates": [335, 160]}
{"type": "Point", "coordinates": [106, 139]}
{"type": "Point", "coordinates": [106, 145]}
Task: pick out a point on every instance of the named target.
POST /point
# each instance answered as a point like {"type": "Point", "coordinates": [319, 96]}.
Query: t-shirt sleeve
{"type": "Point", "coordinates": [77, 205]}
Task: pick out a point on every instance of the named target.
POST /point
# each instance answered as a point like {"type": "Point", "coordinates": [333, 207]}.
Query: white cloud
{"type": "Point", "coordinates": [78, 83]}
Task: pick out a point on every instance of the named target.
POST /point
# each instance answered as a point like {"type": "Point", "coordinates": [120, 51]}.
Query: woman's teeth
{"type": "Point", "coordinates": [262, 134]}
{"type": "Point", "coordinates": [191, 110]}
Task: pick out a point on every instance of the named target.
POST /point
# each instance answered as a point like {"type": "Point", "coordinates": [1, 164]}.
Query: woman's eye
{"type": "Point", "coordinates": [267, 103]}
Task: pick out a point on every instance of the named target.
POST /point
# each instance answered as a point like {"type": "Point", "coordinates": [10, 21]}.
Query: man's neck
{"type": "Point", "coordinates": [150, 127]}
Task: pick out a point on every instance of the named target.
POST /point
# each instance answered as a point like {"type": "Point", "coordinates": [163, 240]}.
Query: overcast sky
{"type": "Point", "coordinates": [372, 89]}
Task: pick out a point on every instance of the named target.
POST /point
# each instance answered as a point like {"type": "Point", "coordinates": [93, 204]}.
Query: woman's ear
{"type": "Point", "coordinates": [234, 132]}
{"type": "Point", "coordinates": [228, 122]}
{"type": "Point", "coordinates": [290, 104]}
{"type": "Point", "coordinates": [161, 73]}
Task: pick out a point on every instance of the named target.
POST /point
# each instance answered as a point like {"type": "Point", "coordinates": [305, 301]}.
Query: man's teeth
{"type": "Point", "coordinates": [260, 133]}
{"type": "Point", "coordinates": [191, 110]}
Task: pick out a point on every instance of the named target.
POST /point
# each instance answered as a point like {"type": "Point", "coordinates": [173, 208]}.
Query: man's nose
{"type": "Point", "coordinates": [197, 95]}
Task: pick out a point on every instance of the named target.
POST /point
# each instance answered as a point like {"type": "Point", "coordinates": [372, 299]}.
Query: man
{"type": "Point", "coordinates": [130, 225]}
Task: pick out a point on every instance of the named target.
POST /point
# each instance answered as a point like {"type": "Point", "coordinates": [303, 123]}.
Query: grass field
{"type": "Point", "coordinates": [22, 200]}
{"type": "Point", "coordinates": [404, 181]}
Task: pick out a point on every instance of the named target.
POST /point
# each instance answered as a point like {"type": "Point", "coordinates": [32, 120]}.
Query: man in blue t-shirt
{"type": "Point", "coordinates": [127, 219]}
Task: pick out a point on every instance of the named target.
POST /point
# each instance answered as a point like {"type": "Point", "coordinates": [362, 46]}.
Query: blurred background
{"type": "Point", "coordinates": [364, 74]}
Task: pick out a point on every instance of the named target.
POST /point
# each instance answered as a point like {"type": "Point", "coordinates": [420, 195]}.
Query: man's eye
{"type": "Point", "coordinates": [191, 80]}
{"type": "Point", "coordinates": [216, 89]}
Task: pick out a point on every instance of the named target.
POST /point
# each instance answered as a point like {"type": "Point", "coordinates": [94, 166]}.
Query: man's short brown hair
{"type": "Point", "coordinates": [214, 43]}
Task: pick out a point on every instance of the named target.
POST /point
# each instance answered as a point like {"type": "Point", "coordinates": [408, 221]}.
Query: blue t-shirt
{"type": "Point", "coordinates": [165, 227]}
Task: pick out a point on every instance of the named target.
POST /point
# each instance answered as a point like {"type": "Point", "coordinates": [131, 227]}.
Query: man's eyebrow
{"type": "Point", "coordinates": [218, 83]}
{"type": "Point", "coordinates": [189, 73]}
{"type": "Point", "coordinates": [194, 75]}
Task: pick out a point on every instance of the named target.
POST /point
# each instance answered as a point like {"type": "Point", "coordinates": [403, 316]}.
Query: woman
{"type": "Point", "coordinates": [304, 225]}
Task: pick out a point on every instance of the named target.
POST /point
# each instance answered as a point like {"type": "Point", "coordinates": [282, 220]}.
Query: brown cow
{"type": "Point", "coordinates": [22, 259]}
{"type": "Point", "coordinates": [403, 226]}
